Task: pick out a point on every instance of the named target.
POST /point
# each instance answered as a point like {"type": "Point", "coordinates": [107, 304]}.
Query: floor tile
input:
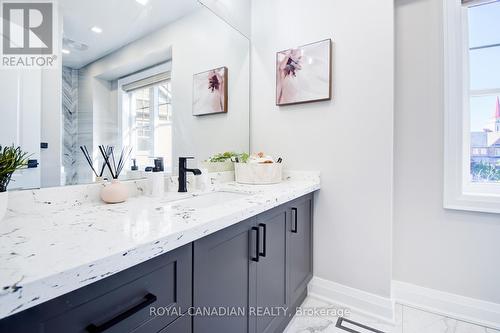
{"type": "Point", "coordinates": [407, 320]}
{"type": "Point", "coordinates": [327, 323]}
{"type": "Point", "coordinates": [418, 321]}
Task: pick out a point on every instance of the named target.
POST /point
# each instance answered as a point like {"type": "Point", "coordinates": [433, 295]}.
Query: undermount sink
{"type": "Point", "coordinates": [211, 199]}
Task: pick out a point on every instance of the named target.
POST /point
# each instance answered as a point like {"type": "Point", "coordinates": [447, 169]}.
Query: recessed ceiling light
{"type": "Point", "coordinates": [142, 2]}
{"type": "Point", "coordinates": [96, 29]}
{"type": "Point", "coordinates": [65, 51]}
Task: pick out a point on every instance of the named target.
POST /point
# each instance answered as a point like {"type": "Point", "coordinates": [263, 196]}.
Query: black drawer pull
{"type": "Point", "coordinates": [148, 299]}
{"type": "Point", "coordinates": [263, 253]}
{"type": "Point", "coordinates": [257, 244]}
{"type": "Point", "coordinates": [294, 220]}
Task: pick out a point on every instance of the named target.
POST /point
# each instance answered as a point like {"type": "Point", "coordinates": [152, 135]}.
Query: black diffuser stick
{"type": "Point", "coordinates": [113, 158]}
{"type": "Point", "coordinates": [118, 168]}
{"type": "Point", "coordinates": [106, 156]}
{"type": "Point", "coordinates": [88, 158]}
{"type": "Point", "coordinates": [126, 151]}
{"type": "Point", "coordinates": [108, 153]}
{"type": "Point", "coordinates": [104, 164]}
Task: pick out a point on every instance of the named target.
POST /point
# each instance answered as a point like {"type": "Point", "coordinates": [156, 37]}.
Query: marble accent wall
{"type": "Point", "coordinates": [85, 126]}
{"type": "Point", "coordinates": [70, 124]}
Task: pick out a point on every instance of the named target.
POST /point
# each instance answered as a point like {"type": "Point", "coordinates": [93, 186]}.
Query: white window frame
{"type": "Point", "coordinates": [132, 126]}
{"type": "Point", "coordinates": [459, 192]}
{"type": "Point", "coordinates": [154, 122]}
{"type": "Point", "coordinates": [127, 118]}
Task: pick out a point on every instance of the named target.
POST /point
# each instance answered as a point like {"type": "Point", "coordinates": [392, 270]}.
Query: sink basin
{"type": "Point", "coordinates": [211, 199]}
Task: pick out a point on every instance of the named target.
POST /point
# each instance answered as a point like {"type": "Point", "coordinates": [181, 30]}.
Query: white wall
{"type": "Point", "coordinates": [349, 139]}
{"type": "Point", "coordinates": [20, 98]}
{"type": "Point", "coordinates": [51, 126]}
{"type": "Point", "coordinates": [453, 251]}
{"type": "Point", "coordinates": [52, 118]}
{"type": "Point", "coordinates": [31, 102]}
{"type": "Point", "coordinates": [105, 113]}
{"type": "Point", "coordinates": [234, 12]}
{"type": "Point", "coordinates": [201, 42]}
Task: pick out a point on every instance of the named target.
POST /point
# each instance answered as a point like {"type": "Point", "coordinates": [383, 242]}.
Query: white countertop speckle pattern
{"type": "Point", "coordinates": [55, 247]}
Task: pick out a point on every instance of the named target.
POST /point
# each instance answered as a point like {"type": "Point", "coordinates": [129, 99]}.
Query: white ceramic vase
{"type": "Point", "coordinates": [114, 192]}
{"type": "Point", "coordinates": [4, 200]}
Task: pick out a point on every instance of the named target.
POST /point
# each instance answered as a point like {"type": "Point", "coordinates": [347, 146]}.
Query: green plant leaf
{"type": "Point", "coordinates": [11, 159]}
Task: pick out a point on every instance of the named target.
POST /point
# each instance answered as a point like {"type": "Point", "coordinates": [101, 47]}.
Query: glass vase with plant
{"type": "Point", "coordinates": [11, 159]}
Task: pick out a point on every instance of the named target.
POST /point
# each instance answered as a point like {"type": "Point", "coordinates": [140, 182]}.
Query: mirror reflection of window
{"type": "Point", "coordinates": [151, 123]}
{"type": "Point", "coordinates": [164, 127]}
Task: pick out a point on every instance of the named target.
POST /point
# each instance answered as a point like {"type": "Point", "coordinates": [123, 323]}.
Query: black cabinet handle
{"type": "Point", "coordinates": [257, 244]}
{"type": "Point", "coordinates": [263, 253]}
{"type": "Point", "coordinates": [294, 220]}
{"type": "Point", "coordinates": [148, 299]}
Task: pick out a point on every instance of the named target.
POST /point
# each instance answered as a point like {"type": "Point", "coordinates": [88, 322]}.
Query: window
{"type": "Point", "coordinates": [472, 105]}
{"type": "Point", "coordinates": [484, 89]}
{"type": "Point", "coordinates": [150, 122]}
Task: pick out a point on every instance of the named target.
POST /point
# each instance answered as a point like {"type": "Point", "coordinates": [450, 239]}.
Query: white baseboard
{"type": "Point", "coordinates": [442, 303]}
{"type": "Point", "coordinates": [446, 304]}
{"type": "Point", "coordinates": [354, 299]}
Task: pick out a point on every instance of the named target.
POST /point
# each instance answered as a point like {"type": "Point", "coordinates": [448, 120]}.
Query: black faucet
{"type": "Point", "coordinates": [182, 173]}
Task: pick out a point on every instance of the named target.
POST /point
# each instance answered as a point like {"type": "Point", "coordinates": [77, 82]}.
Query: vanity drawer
{"type": "Point", "coordinates": [120, 303]}
{"type": "Point", "coordinates": [127, 308]}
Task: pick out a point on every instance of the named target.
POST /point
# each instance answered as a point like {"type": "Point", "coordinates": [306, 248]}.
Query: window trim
{"type": "Point", "coordinates": [459, 193]}
{"type": "Point", "coordinates": [132, 121]}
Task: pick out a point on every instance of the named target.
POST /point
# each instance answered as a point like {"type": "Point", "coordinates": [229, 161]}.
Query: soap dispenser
{"type": "Point", "coordinates": [134, 172]}
{"type": "Point", "coordinates": [156, 179]}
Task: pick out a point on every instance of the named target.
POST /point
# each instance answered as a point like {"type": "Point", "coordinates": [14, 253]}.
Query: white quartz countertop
{"type": "Point", "coordinates": [57, 248]}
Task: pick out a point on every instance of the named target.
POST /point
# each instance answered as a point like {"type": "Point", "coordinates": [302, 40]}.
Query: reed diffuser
{"type": "Point", "coordinates": [88, 158]}
{"type": "Point", "coordinates": [114, 192]}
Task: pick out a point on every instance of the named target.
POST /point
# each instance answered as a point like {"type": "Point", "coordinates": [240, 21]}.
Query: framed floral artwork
{"type": "Point", "coordinates": [210, 92]}
{"type": "Point", "coordinates": [303, 74]}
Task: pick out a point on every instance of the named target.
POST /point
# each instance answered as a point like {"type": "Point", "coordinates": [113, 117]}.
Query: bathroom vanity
{"type": "Point", "coordinates": [73, 264]}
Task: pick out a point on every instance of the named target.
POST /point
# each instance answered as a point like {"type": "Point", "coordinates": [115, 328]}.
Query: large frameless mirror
{"type": "Point", "coordinates": [155, 79]}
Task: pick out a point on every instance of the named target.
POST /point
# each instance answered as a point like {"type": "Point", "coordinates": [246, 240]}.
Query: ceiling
{"type": "Point", "coordinates": [121, 21]}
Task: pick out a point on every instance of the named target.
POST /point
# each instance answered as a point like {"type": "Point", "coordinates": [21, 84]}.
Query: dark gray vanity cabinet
{"type": "Point", "coordinates": [262, 264]}
{"type": "Point", "coordinates": [242, 268]}
{"type": "Point", "coordinates": [300, 242]}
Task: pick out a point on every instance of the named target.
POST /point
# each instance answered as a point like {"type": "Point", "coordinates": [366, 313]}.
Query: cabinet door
{"type": "Point", "coordinates": [271, 279]}
{"type": "Point", "coordinates": [222, 272]}
{"type": "Point", "coordinates": [300, 248]}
